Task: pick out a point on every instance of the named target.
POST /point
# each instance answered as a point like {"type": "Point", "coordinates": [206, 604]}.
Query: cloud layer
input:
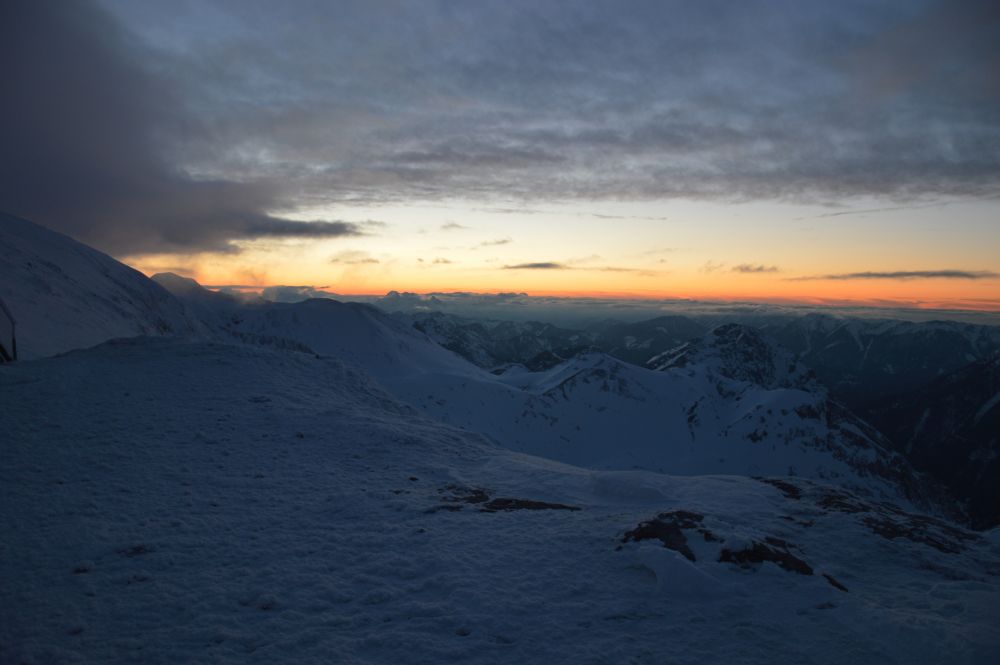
{"type": "Point", "coordinates": [539, 265]}
{"type": "Point", "coordinates": [907, 274]}
{"type": "Point", "coordinates": [754, 268]}
{"type": "Point", "coordinates": [89, 133]}
{"type": "Point", "coordinates": [187, 127]}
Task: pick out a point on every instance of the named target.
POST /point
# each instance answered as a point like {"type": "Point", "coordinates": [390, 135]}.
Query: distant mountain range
{"type": "Point", "coordinates": [728, 408]}
{"type": "Point", "coordinates": [859, 360]}
{"type": "Point", "coordinates": [890, 409]}
{"type": "Point", "coordinates": [893, 374]}
{"type": "Point", "coordinates": [950, 428]}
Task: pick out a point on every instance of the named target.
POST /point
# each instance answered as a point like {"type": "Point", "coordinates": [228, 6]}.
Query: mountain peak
{"type": "Point", "coordinates": [177, 284]}
{"type": "Point", "coordinates": [741, 353]}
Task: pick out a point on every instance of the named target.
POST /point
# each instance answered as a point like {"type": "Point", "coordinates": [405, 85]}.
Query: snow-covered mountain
{"type": "Point", "coordinates": [599, 412]}
{"type": "Point", "coordinates": [861, 361]}
{"type": "Point", "coordinates": [356, 333]}
{"type": "Point", "coordinates": [214, 308]}
{"type": "Point", "coordinates": [951, 430]}
{"type": "Point", "coordinates": [637, 342]}
{"type": "Point", "coordinates": [170, 501]}
{"type": "Point", "coordinates": [65, 295]}
{"type": "Point", "coordinates": [731, 403]}
{"type": "Point", "coordinates": [491, 344]}
{"type": "Point", "coordinates": [740, 353]}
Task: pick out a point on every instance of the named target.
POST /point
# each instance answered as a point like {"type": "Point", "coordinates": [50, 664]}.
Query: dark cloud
{"type": "Point", "coordinates": [442, 261]}
{"type": "Point", "coordinates": [907, 274]}
{"type": "Point", "coordinates": [554, 265]}
{"type": "Point", "coordinates": [541, 265]}
{"type": "Point", "coordinates": [453, 226]}
{"type": "Point", "coordinates": [88, 127]}
{"type": "Point", "coordinates": [761, 100]}
{"type": "Point", "coordinates": [181, 126]}
{"type": "Point", "coordinates": [467, 154]}
{"type": "Point", "coordinates": [752, 268]}
{"type": "Point", "coordinates": [286, 228]}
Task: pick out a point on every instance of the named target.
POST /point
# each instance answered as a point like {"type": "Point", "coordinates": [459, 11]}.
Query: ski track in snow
{"type": "Point", "coordinates": [164, 501]}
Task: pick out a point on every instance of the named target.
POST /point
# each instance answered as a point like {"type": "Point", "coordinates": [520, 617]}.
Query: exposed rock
{"type": "Point", "coordinates": [842, 502]}
{"type": "Point", "coordinates": [456, 494]}
{"type": "Point", "coordinates": [790, 490]}
{"type": "Point", "coordinates": [776, 551]}
{"type": "Point", "coordinates": [920, 529]}
{"type": "Point", "coordinates": [667, 528]}
{"type": "Point", "coordinates": [499, 504]}
{"type": "Point", "coordinates": [834, 583]}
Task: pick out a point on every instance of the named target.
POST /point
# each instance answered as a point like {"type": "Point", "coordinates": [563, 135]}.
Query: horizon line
{"type": "Point", "coordinates": [970, 305]}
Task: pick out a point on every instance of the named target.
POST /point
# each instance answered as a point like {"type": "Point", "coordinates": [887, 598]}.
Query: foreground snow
{"type": "Point", "coordinates": [164, 501]}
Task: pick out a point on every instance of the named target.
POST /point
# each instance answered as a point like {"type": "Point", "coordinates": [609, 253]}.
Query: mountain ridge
{"type": "Point", "coordinates": [66, 295]}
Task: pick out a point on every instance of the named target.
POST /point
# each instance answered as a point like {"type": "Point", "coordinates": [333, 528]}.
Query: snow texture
{"type": "Point", "coordinates": [167, 501]}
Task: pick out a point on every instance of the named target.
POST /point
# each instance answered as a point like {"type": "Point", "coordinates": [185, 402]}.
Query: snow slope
{"type": "Point", "coordinates": [598, 412]}
{"type": "Point", "coordinates": [863, 361]}
{"type": "Point", "coordinates": [65, 295]}
{"type": "Point", "coordinates": [354, 333]}
{"type": "Point", "coordinates": [164, 501]}
{"type": "Point", "coordinates": [491, 343]}
{"type": "Point", "coordinates": [730, 409]}
{"type": "Point", "coordinates": [214, 308]}
{"type": "Point", "coordinates": [740, 353]}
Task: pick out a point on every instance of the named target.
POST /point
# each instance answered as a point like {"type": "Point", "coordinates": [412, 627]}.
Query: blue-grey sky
{"type": "Point", "coordinates": [448, 136]}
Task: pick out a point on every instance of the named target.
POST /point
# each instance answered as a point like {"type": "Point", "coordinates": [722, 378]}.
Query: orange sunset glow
{"type": "Point", "coordinates": [738, 252]}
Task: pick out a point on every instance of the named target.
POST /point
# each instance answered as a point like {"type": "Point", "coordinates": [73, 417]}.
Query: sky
{"type": "Point", "coordinates": [781, 151]}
